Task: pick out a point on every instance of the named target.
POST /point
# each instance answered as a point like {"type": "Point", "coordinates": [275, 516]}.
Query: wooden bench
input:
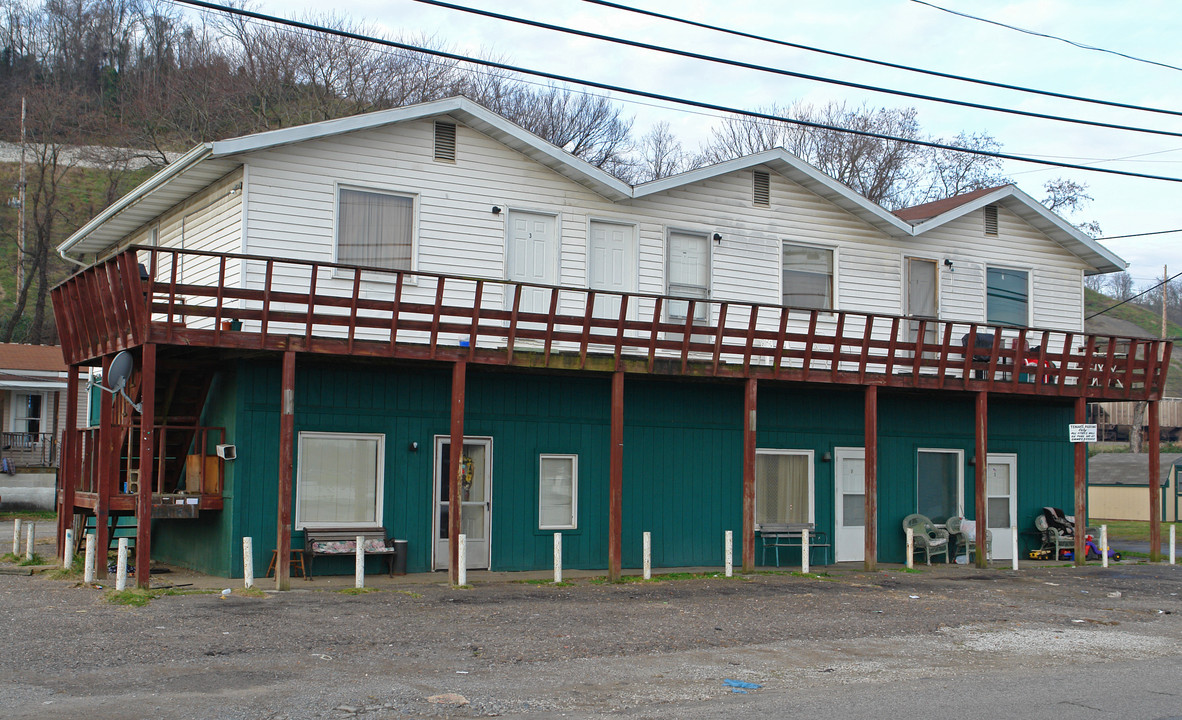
{"type": "Point", "coordinates": [791, 535]}
{"type": "Point", "coordinates": [343, 541]}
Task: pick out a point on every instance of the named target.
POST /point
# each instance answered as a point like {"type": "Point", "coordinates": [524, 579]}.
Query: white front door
{"type": "Point", "coordinates": [610, 265]}
{"type": "Point", "coordinates": [850, 510]}
{"type": "Point", "coordinates": [475, 499]}
{"type": "Point", "coordinates": [1001, 501]}
{"type": "Point", "coordinates": [532, 257]}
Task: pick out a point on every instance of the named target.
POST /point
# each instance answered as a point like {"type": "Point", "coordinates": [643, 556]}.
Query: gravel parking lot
{"type": "Point", "coordinates": [416, 648]}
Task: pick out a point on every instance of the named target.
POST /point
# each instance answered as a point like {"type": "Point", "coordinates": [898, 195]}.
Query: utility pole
{"type": "Point", "coordinates": [20, 230]}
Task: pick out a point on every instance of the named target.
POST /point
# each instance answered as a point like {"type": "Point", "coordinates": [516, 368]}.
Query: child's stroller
{"type": "Point", "coordinates": [1058, 533]}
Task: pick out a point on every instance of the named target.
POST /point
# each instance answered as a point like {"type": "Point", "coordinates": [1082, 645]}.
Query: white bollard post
{"type": "Point", "coordinates": [1173, 555]}
{"type": "Point", "coordinates": [68, 552]}
{"type": "Point", "coordinates": [1103, 546]}
{"type": "Point", "coordinates": [804, 551]}
{"type": "Point", "coordinates": [16, 536]}
{"type": "Point", "coordinates": [121, 567]}
{"type": "Point", "coordinates": [88, 571]}
{"type": "Point", "coordinates": [1014, 545]}
{"type": "Point", "coordinates": [462, 570]}
{"type": "Point", "coordinates": [729, 551]}
{"type": "Point", "coordinates": [248, 562]}
{"type": "Point", "coordinates": [29, 541]}
{"type": "Point", "coordinates": [557, 557]}
{"type": "Point", "coordinates": [910, 533]}
{"type": "Point", "coordinates": [359, 553]}
{"type": "Point", "coordinates": [648, 555]}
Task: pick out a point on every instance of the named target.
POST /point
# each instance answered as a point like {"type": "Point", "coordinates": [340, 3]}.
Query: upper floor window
{"type": "Point", "coordinates": [1007, 297]}
{"type": "Point", "coordinates": [688, 265]}
{"type": "Point", "coordinates": [375, 229]}
{"type": "Point", "coordinates": [808, 277]}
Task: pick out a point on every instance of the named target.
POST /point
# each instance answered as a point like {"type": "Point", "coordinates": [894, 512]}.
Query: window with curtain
{"type": "Point", "coordinates": [688, 265]}
{"type": "Point", "coordinates": [808, 277]}
{"type": "Point", "coordinates": [938, 484]}
{"type": "Point", "coordinates": [339, 479]}
{"type": "Point", "coordinates": [28, 412]}
{"type": "Point", "coordinates": [783, 487]}
{"type": "Point", "coordinates": [375, 229]}
{"type": "Point", "coordinates": [558, 490]}
{"type": "Point", "coordinates": [1007, 296]}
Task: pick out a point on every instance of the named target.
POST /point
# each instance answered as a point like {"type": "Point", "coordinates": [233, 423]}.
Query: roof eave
{"type": "Point", "coordinates": [160, 179]}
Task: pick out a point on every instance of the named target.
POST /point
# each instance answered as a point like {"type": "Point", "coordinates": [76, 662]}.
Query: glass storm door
{"type": "Point", "coordinates": [850, 509]}
{"type": "Point", "coordinates": [475, 499]}
{"type": "Point", "coordinates": [1001, 499]}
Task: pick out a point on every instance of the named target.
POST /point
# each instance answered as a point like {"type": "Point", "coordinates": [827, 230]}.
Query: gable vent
{"type": "Point", "coordinates": [761, 189]}
{"type": "Point", "coordinates": [990, 219]}
{"type": "Point", "coordinates": [445, 141]}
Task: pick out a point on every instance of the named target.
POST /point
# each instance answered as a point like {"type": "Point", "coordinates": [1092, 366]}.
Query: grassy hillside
{"type": "Point", "coordinates": [1149, 322]}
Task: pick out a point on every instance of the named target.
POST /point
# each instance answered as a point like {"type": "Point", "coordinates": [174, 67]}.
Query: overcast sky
{"type": "Point", "coordinates": [899, 31]}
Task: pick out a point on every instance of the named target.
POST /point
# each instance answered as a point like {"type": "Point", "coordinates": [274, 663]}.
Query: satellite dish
{"type": "Point", "coordinates": [118, 375]}
{"type": "Point", "coordinates": [120, 371]}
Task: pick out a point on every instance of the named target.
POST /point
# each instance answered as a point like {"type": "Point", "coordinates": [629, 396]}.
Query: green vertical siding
{"type": "Point", "coordinates": [683, 454]}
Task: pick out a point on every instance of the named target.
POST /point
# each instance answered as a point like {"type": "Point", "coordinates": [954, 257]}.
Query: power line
{"type": "Point", "coordinates": [1045, 35]}
{"type": "Point", "coordinates": [882, 63]}
{"type": "Point", "coordinates": [790, 73]}
{"type": "Point", "coordinates": [659, 96]}
{"type": "Point", "coordinates": [1146, 291]}
{"type": "Point", "coordinates": [1144, 234]}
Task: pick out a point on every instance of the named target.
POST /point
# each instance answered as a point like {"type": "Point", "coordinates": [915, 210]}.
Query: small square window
{"type": "Point", "coordinates": [558, 492]}
{"type": "Point", "coordinates": [808, 277]}
{"type": "Point", "coordinates": [375, 229]}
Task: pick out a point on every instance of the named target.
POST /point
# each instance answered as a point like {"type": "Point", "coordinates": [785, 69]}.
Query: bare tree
{"type": "Point", "coordinates": [1121, 285]}
{"type": "Point", "coordinates": [1095, 283]}
{"type": "Point", "coordinates": [893, 173]}
{"type": "Point", "coordinates": [660, 154]}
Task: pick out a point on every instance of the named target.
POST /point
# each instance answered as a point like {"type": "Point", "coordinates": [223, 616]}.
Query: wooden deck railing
{"type": "Point", "coordinates": [201, 461]}
{"type": "Point", "coordinates": [191, 298]}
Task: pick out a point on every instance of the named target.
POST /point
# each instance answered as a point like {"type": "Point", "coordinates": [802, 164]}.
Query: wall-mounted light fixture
{"type": "Point", "coordinates": [414, 445]}
{"type": "Point", "coordinates": [948, 264]}
{"type": "Point", "coordinates": [717, 238]}
{"type": "Point", "coordinates": [496, 209]}
{"type": "Point", "coordinates": [826, 456]}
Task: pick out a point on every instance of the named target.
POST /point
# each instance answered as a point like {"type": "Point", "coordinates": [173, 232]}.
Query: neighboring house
{"type": "Point", "coordinates": [32, 416]}
{"type": "Point", "coordinates": [599, 352]}
{"type": "Point", "coordinates": [1118, 486]}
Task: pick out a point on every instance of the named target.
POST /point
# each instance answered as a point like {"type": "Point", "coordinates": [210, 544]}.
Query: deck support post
{"type": "Point", "coordinates": [1081, 485]}
{"type": "Point", "coordinates": [106, 449]}
{"type": "Point", "coordinates": [455, 457]}
{"type": "Point", "coordinates": [980, 465]}
{"type": "Point", "coordinates": [143, 500]}
{"type": "Point", "coordinates": [750, 398]}
{"type": "Point", "coordinates": [68, 471]}
{"type": "Point", "coordinates": [286, 460]}
{"type": "Point", "coordinates": [870, 465]}
{"type": "Point", "coordinates": [1155, 508]}
{"type": "Point", "coordinates": [615, 503]}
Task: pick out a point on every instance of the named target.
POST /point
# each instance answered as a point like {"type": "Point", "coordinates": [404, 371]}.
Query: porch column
{"type": "Point", "coordinates": [981, 464]}
{"type": "Point", "coordinates": [67, 474]}
{"type": "Point", "coordinates": [1081, 484]}
{"type": "Point", "coordinates": [870, 468]}
{"type": "Point", "coordinates": [286, 454]}
{"type": "Point", "coordinates": [749, 413]}
{"type": "Point", "coordinates": [106, 449]}
{"type": "Point", "coordinates": [143, 499]}
{"type": "Point", "coordinates": [1154, 482]}
{"type": "Point", "coordinates": [453, 481]}
{"type": "Point", "coordinates": [615, 501]}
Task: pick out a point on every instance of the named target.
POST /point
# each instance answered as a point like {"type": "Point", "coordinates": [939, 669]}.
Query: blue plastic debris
{"type": "Point", "coordinates": [739, 690]}
{"type": "Point", "coordinates": [737, 684]}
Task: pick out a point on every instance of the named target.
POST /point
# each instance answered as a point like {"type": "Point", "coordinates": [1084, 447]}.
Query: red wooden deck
{"type": "Point", "coordinates": [110, 307]}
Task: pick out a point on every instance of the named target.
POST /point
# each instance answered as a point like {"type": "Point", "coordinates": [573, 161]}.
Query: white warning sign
{"type": "Point", "coordinates": [1082, 432]}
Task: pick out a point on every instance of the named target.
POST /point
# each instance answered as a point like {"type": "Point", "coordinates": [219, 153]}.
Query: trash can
{"type": "Point", "coordinates": [400, 557]}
